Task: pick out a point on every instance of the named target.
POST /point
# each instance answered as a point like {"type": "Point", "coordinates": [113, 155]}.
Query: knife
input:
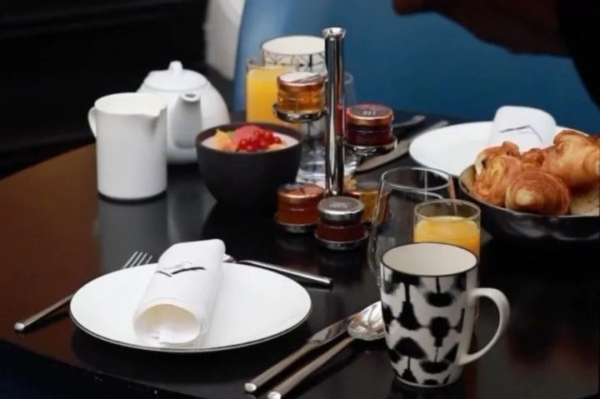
{"type": "Point", "coordinates": [323, 337]}
{"type": "Point", "coordinates": [398, 152]}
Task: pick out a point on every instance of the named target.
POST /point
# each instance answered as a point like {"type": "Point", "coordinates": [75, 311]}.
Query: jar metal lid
{"type": "Point", "coordinates": [369, 115]}
{"type": "Point", "coordinates": [300, 81]}
{"type": "Point", "coordinates": [299, 193]}
{"type": "Point", "coordinates": [340, 209]}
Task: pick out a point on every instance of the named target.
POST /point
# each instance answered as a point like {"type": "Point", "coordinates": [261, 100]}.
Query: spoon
{"type": "Point", "coordinates": [298, 275]}
{"type": "Point", "coordinates": [367, 325]}
{"type": "Point", "coordinates": [410, 123]}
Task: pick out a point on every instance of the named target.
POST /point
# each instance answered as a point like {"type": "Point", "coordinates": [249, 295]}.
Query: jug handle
{"type": "Point", "coordinates": [92, 119]}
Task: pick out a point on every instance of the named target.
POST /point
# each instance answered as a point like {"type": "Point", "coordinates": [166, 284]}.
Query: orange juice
{"type": "Point", "coordinates": [453, 230]}
{"type": "Point", "coordinates": [261, 93]}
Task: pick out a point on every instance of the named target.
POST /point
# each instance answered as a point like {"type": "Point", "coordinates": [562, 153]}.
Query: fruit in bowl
{"type": "Point", "coordinates": [243, 164]}
{"type": "Point", "coordinates": [249, 138]}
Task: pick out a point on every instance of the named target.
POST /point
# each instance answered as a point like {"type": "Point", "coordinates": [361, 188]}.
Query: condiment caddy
{"type": "Point", "coordinates": [337, 217]}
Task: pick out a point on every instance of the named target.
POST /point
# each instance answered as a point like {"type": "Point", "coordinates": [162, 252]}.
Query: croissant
{"type": "Point", "coordinates": [491, 185]}
{"type": "Point", "coordinates": [535, 191]}
{"type": "Point", "coordinates": [573, 137]}
{"type": "Point", "coordinates": [586, 201]}
{"type": "Point", "coordinates": [507, 148]}
{"type": "Point", "coordinates": [574, 160]}
{"type": "Point", "coordinates": [533, 159]}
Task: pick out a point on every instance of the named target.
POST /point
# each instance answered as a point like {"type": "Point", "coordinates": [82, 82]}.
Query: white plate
{"type": "Point", "coordinates": [453, 148]}
{"type": "Point", "coordinates": [254, 305]}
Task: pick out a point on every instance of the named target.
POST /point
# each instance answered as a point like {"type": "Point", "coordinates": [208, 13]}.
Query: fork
{"type": "Point", "coordinates": [138, 258]}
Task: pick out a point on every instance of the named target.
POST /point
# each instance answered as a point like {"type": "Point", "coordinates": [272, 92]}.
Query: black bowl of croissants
{"type": "Point", "coordinates": [546, 195]}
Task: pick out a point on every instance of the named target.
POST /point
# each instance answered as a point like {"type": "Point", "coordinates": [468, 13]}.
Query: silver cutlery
{"type": "Point", "coordinates": [296, 274]}
{"type": "Point", "coordinates": [368, 325]}
{"type": "Point", "coordinates": [137, 259]}
{"type": "Point", "coordinates": [398, 152]}
{"type": "Point", "coordinates": [319, 339]}
{"type": "Point", "coordinates": [415, 121]}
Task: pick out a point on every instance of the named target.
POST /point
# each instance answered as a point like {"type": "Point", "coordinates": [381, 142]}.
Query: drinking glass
{"type": "Point", "coordinates": [312, 163]}
{"type": "Point", "coordinates": [261, 89]}
{"type": "Point", "coordinates": [452, 222]}
{"type": "Point", "coordinates": [400, 191]}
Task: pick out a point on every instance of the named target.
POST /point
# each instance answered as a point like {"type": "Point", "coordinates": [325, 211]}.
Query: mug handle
{"type": "Point", "coordinates": [504, 314]}
{"type": "Point", "coordinates": [92, 119]}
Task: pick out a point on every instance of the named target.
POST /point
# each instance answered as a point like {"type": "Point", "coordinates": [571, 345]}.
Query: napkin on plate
{"type": "Point", "coordinates": [526, 127]}
{"type": "Point", "coordinates": [177, 305]}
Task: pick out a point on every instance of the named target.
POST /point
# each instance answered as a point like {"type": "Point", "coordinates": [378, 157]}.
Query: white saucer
{"type": "Point", "coordinates": [452, 148]}
{"type": "Point", "coordinates": [254, 305]}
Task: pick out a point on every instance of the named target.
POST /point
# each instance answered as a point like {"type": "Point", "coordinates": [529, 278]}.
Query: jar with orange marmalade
{"type": "Point", "coordinates": [297, 206]}
{"type": "Point", "coordinates": [300, 93]}
{"type": "Point", "coordinates": [367, 193]}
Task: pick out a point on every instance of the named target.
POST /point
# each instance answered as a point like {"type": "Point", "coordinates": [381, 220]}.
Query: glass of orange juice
{"type": "Point", "coordinates": [448, 221]}
{"type": "Point", "coordinates": [261, 89]}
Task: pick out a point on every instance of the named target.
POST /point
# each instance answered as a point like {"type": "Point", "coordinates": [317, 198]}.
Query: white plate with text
{"type": "Point", "coordinates": [253, 305]}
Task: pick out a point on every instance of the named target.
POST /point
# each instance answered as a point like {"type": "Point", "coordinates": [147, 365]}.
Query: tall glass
{"type": "Point", "coordinates": [400, 191]}
{"type": "Point", "coordinates": [452, 222]}
{"type": "Point", "coordinates": [261, 89]}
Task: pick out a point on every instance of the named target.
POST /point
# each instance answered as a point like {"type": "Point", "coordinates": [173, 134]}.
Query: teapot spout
{"type": "Point", "coordinates": [192, 98]}
{"type": "Point", "coordinates": [186, 121]}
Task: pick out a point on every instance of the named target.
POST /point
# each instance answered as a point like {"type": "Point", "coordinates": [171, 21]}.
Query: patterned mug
{"type": "Point", "coordinates": [428, 292]}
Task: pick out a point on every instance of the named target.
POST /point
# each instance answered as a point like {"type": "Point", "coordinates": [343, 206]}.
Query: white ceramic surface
{"type": "Point", "coordinates": [453, 148]}
{"type": "Point", "coordinates": [130, 130]}
{"type": "Point", "coordinates": [193, 103]}
{"type": "Point", "coordinates": [253, 305]}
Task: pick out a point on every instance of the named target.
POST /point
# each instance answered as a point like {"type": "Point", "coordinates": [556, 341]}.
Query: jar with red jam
{"type": "Point", "coordinates": [369, 128]}
{"type": "Point", "coordinates": [297, 206]}
{"type": "Point", "coordinates": [340, 224]}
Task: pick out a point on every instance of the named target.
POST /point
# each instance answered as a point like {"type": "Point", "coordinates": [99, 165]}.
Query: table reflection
{"type": "Point", "coordinates": [126, 227]}
{"type": "Point", "coordinates": [554, 299]}
{"type": "Point", "coordinates": [453, 391]}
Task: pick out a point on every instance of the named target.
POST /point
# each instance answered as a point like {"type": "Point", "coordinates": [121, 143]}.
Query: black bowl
{"type": "Point", "coordinates": [529, 228]}
{"type": "Point", "coordinates": [248, 180]}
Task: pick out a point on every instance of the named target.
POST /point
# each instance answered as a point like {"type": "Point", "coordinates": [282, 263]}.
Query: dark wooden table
{"type": "Point", "coordinates": [57, 234]}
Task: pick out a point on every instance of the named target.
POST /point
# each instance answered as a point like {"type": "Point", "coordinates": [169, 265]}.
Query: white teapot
{"type": "Point", "coordinates": [193, 104]}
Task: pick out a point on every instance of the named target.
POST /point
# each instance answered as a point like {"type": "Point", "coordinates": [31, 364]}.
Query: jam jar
{"type": "Point", "coordinates": [367, 193]}
{"type": "Point", "coordinates": [370, 126]}
{"type": "Point", "coordinates": [300, 93]}
{"type": "Point", "coordinates": [340, 224]}
{"type": "Point", "coordinates": [297, 206]}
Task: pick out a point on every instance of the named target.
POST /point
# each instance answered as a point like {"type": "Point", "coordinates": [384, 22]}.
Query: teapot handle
{"type": "Point", "coordinates": [92, 119]}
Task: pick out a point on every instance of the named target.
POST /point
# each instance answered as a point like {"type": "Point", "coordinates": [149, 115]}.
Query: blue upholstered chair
{"type": "Point", "coordinates": [422, 62]}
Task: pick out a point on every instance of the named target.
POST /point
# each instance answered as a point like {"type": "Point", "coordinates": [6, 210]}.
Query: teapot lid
{"type": "Point", "coordinates": [175, 79]}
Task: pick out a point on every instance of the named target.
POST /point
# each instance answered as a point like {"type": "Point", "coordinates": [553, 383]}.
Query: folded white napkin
{"type": "Point", "coordinates": [526, 127]}
{"type": "Point", "coordinates": [177, 306]}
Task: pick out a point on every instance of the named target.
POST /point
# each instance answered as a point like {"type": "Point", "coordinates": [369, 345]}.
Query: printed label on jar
{"type": "Point", "coordinates": [370, 111]}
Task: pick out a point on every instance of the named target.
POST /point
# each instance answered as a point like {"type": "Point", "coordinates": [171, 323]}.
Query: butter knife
{"type": "Point", "coordinates": [323, 337]}
{"type": "Point", "coordinates": [398, 152]}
